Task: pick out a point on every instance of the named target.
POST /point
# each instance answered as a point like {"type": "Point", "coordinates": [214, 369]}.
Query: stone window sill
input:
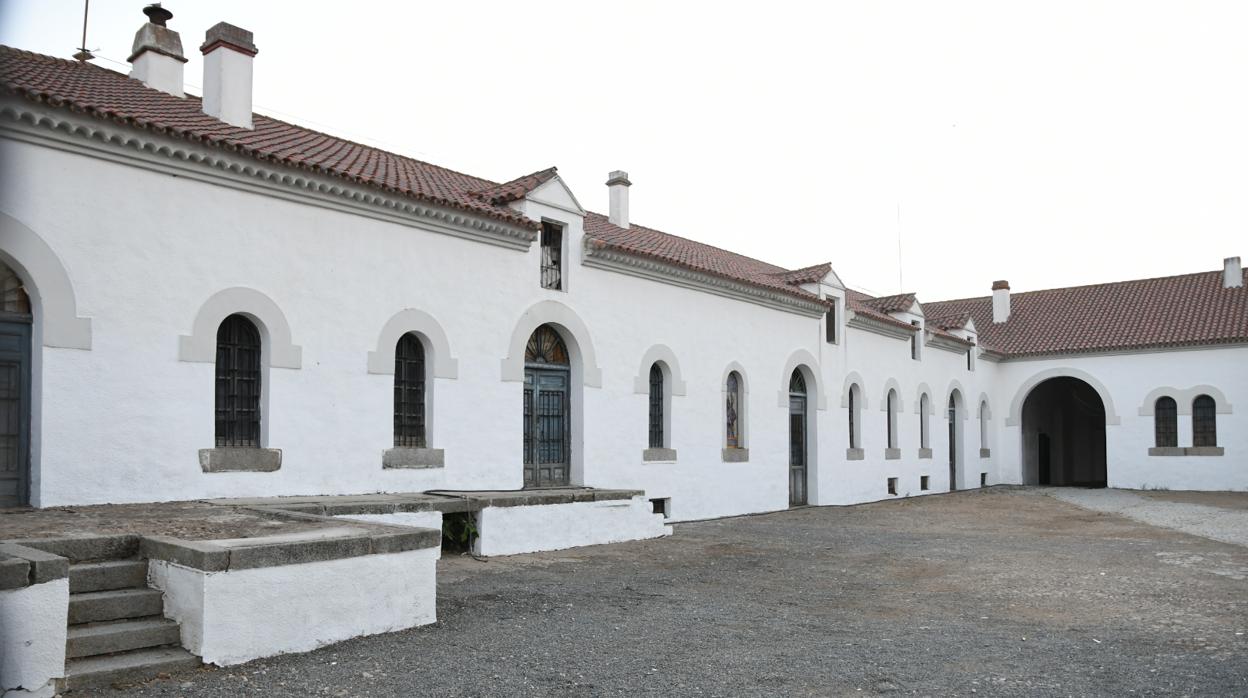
{"type": "Point", "coordinates": [985, 453]}
{"type": "Point", "coordinates": [1186, 451]}
{"type": "Point", "coordinates": [892, 454]}
{"type": "Point", "coordinates": [735, 455]}
{"type": "Point", "coordinates": [240, 460]}
{"type": "Point", "coordinates": [855, 454]}
{"type": "Point", "coordinates": [659, 455]}
{"type": "Point", "coordinates": [925, 453]}
{"type": "Point", "coordinates": [412, 458]}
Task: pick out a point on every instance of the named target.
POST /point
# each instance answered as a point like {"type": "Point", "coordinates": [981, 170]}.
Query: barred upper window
{"type": "Point", "coordinates": [409, 392]}
{"type": "Point", "coordinates": [656, 406]}
{"type": "Point", "coordinates": [830, 324]}
{"type": "Point", "coordinates": [238, 383]}
{"type": "Point", "coordinates": [1204, 421]}
{"type": "Point", "coordinates": [552, 256]}
{"type": "Point", "coordinates": [1166, 422]}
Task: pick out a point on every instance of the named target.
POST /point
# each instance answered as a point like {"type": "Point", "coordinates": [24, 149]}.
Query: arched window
{"type": "Point", "coordinates": [1204, 421]}
{"type": "Point", "coordinates": [924, 441]}
{"type": "Point", "coordinates": [13, 297]}
{"type": "Point", "coordinates": [1166, 422]}
{"type": "Point", "coordinates": [656, 406]}
{"type": "Point", "coordinates": [238, 383]}
{"type": "Point", "coordinates": [892, 419]}
{"type": "Point", "coordinates": [732, 392]}
{"type": "Point", "coordinates": [983, 426]}
{"type": "Point", "coordinates": [855, 405]}
{"type": "Point", "coordinates": [409, 392]}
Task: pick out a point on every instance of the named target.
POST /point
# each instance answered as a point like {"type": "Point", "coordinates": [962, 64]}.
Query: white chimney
{"type": "Point", "coordinates": [618, 184]}
{"type": "Point", "coordinates": [157, 53]}
{"type": "Point", "coordinates": [1000, 301]}
{"type": "Point", "coordinates": [228, 52]}
{"type": "Point", "coordinates": [1232, 273]}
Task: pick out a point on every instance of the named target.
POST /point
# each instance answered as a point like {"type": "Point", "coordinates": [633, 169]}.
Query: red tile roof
{"type": "Point", "coordinates": [899, 303]}
{"type": "Point", "coordinates": [1172, 311]}
{"type": "Point", "coordinates": [866, 305]}
{"type": "Point", "coordinates": [516, 189]}
{"type": "Point", "coordinates": [690, 254]}
{"type": "Point", "coordinates": [90, 89]}
{"type": "Point", "coordinates": [806, 275]}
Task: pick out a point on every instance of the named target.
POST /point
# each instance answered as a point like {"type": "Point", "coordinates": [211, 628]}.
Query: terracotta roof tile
{"type": "Point", "coordinates": [806, 275]}
{"type": "Point", "coordinates": [866, 305]}
{"type": "Point", "coordinates": [517, 188]}
{"type": "Point", "coordinates": [1172, 311]}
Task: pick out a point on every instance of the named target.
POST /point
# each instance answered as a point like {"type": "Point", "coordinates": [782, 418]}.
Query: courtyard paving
{"type": "Point", "coordinates": [993, 592]}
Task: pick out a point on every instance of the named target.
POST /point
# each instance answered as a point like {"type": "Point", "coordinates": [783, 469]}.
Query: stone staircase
{"type": "Point", "coordinates": [117, 630]}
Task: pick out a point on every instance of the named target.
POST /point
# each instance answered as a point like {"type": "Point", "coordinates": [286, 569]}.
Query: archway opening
{"type": "Point", "coordinates": [955, 414]}
{"type": "Point", "coordinates": [547, 410]}
{"type": "Point", "coordinates": [798, 455]}
{"type": "Point", "coordinates": [16, 316]}
{"type": "Point", "coordinates": [1064, 434]}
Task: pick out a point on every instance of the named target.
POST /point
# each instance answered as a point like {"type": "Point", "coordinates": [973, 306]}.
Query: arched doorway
{"type": "Point", "coordinates": [797, 439]}
{"type": "Point", "coordinates": [547, 423]}
{"type": "Point", "coordinates": [15, 324]}
{"type": "Point", "coordinates": [1064, 434]}
{"type": "Point", "coordinates": [955, 410]}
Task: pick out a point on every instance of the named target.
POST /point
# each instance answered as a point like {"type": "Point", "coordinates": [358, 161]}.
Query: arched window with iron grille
{"type": "Point", "coordinates": [732, 397]}
{"type": "Point", "coordinates": [409, 392]}
{"type": "Point", "coordinates": [855, 402]}
{"type": "Point", "coordinates": [656, 406]}
{"type": "Point", "coordinates": [1204, 421]}
{"type": "Point", "coordinates": [238, 383]}
{"type": "Point", "coordinates": [1166, 422]}
{"type": "Point", "coordinates": [924, 441]}
{"type": "Point", "coordinates": [892, 418]}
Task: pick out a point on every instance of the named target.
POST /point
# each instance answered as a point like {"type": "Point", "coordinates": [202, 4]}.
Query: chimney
{"type": "Point", "coordinates": [1232, 273]}
{"type": "Point", "coordinates": [157, 53]}
{"type": "Point", "coordinates": [1000, 301]}
{"type": "Point", "coordinates": [618, 184]}
{"type": "Point", "coordinates": [228, 51]}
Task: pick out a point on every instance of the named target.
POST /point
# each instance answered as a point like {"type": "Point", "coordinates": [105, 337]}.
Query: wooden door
{"type": "Point", "coordinates": [14, 413]}
{"type": "Point", "coordinates": [797, 450]}
{"type": "Point", "coordinates": [546, 428]}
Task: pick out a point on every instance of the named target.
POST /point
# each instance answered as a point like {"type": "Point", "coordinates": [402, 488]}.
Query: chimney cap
{"type": "Point", "coordinates": [229, 36]}
{"type": "Point", "coordinates": [618, 177]}
{"type": "Point", "coordinates": [157, 15]}
{"type": "Point", "coordinates": [1000, 285]}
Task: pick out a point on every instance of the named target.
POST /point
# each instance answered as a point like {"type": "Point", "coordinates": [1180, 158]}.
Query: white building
{"type": "Point", "coordinates": [203, 302]}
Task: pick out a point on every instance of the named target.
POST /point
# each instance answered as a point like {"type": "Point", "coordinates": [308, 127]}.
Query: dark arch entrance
{"type": "Point", "coordinates": [1064, 434]}
{"type": "Point", "coordinates": [547, 426]}
{"type": "Point", "coordinates": [15, 324]}
{"type": "Point", "coordinates": [797, 439]}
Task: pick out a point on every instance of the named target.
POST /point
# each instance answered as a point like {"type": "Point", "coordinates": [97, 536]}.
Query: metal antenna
{"type": "Point", "coordinates": [84, 54]}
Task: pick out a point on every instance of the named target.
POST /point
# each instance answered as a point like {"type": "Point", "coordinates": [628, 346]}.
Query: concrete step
{"type": "Point", "coordinates": [128, 667]}
{"type": "Point", "coordinates": [114, 604]}
{"type": "Point", "coordinates": [111, 574]}
{"type": "Point", "coordinates": [90, 639]}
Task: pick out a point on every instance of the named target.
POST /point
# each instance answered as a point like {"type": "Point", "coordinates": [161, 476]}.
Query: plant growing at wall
{"type": "Point", "coordinates": [459, 531]}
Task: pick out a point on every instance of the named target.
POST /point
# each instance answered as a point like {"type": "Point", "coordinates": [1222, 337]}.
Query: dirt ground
{"type": "Point", "coordinates": [186, 520]}
{"type": "Point", "coordinates": [991, 592]}
{"type": "Point", "coordinates": [1222, 500]}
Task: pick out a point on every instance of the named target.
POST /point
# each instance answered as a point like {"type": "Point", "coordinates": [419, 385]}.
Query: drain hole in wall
{"type": "Point", "coordinates": [923, 482]}
{"type": "Point", "coordinates": [892, 485]}
{"type": "Point", "coordinates": [662, 506]}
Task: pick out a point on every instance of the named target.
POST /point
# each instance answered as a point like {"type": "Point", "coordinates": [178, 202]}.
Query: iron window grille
{"type": "Point", "coordinates": [830, 325]}
{"type": "Point", "coordinates": [892, 418]}
{"type": "Point", "coordinates": [1166, 422]}
{"type": "Point", "coordinates": [552, 256]}
{"type": "Point", "coordinates": [238, 384]}
{"type": "Point", "coordinates": [656, 406]}
{"type": "Point", "coordinates": [853, 436]}
{"type": "Point", "coordinates": [923, 421]}
{"type": "Point", "coordinates": [1204, 422]}
{"type": "Point", "coordinates": [732, 408]}
{"type": "Point", "coordinates": [409, 392]}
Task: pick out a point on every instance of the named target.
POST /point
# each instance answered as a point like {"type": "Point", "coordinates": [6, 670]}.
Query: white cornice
{"type": "Point", "coordinates": [130, 145]}
{"type": "Point", "coordinates": [870, 324]}
{"type": "Point", "coordinates": [646, 268]}
{"type": "Point", "coordinates": [953, 345]}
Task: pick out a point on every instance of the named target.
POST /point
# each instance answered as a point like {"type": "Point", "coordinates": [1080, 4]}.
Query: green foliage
{"type": "Point", "coordinates": [459, 531]}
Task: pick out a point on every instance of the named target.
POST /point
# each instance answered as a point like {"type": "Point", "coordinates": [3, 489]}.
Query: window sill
{"type": "Point", "coordinates": [412, 458]}
{"type": "Point", "coordinates": [925, 453]}
{"type": "Point", "coordinates": [985, 453]}
{"type": "Point", "coordinates": [735, 455]}
{"type": "Point", "coordinates": [892, 454]}
{"type": "Point", "coordinates": [659, 455]}
{"type": "Point", "coordinates": [854, 454]}
{"type": "Point", "coordinates": [240, 460]}
{"type": "Point", "coordinates": [1186, 451]}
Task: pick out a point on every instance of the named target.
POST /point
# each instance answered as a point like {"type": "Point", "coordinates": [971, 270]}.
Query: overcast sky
{"type": "Point", "coordinates": [1048, 143]}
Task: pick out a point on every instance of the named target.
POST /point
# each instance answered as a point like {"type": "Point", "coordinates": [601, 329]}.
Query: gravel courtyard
{"type": "Point", "coordinates": [999, 592]}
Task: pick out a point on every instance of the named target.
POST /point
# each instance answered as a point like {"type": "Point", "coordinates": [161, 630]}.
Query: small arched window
{"type": "Point", "coordinates": [983, 426]}
{"type": "Point", "coordinates": [892, 418]}
{"type": "Point", "coordinates": [732, 397]}
{"type": "Point", "coordinates": [1166, 422]}
{"type": "Point", "coordinates": [1204, 421]}
{"type": "Point", "coordinates": [238, 383]}
{"type": "Point", "coordinates": [924, 441]}
{"type": "Point", "coordinates": [855, 404]}
{"type": "Point", "coordinates": [13, 296]}
{"type": "Point", "coordinates": [409, 392]}
{"type": "Point", "coordinates": [656, 406]}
